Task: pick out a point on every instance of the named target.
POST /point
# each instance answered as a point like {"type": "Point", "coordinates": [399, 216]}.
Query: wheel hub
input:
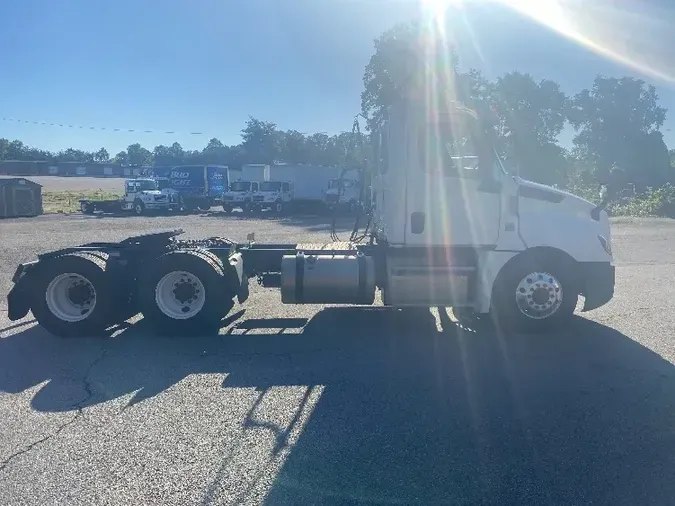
{"type": "Point", "coordinates": [70, 297]}
{"type": "Point", "coordinates": [80, 292]}
{"type": "Point", "coordinates": [539, 295]}
{"type": "Point", "coordinates": [184, 291]}
{"type": "Point", "coordinates": [180, 295]}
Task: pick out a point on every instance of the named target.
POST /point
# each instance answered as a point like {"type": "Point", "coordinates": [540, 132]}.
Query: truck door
{"type": "Point", "coordinates": [131, 187]}
{"type": "Point", "coordinates": [286, 191]}
{"type": "Point", "coordinates": [453, 190]}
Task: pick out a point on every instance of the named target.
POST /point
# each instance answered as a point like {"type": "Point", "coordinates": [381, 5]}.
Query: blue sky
{"type": "Point", "coordinates": [206, 65]}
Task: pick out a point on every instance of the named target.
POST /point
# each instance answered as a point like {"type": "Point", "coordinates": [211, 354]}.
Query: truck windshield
{"type": "Point", "coordinates": [146, 184]}
{"type": "Point", "coordinates": [240, 186]}
{"type": "Point", "coordinates": [270, 186]}
{"type": "Point", "coordinates": [346, 183]}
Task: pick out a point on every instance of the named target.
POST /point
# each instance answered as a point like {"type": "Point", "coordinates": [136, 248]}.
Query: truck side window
{"type": "Point", "coordinates": [448, 149]}
{"type": "Point", "coordinates": [285, 187]}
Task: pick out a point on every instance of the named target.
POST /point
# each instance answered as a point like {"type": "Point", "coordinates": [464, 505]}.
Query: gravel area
{"type": "Point", "coordinates": [325, 405]}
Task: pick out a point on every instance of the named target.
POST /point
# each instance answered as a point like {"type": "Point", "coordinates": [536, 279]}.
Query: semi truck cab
{"type": "Point", "coordinates": [274, 195]}
{"type": "Point", "coordinates": [461, 231]}
{"type": "Point", "coordinates": [343, 192]}
{"type": "Point", "coordinates": [239, 194]}
{"type": "Point", "coordinates": [148, 194]}
{"type": "Point", "coordinates": [450, 227]}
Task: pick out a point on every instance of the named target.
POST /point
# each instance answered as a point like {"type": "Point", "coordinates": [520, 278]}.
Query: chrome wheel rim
{"type": "Point", "coordinates": [539, 295]}
{"type": "Point", "coordinates": [70, 297]}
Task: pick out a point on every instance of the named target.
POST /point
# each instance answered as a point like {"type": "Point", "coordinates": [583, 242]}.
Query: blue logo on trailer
{"type": "Point", "coordinates": [189, 179]}
{"type": "Point", "coordinates": [217, 178]}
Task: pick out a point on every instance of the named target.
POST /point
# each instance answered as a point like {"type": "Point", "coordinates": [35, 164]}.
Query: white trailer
{"type": "Point", "coordinates": [258, 172]}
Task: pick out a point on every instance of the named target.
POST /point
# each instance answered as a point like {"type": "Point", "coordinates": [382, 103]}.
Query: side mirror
{"type": "Point", "coordinates": [605, 198]}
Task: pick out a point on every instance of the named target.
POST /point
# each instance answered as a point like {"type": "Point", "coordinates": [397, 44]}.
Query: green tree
{"type": "Point", "coordinates": [293, 147]}
{"type": "Point", "coordinates": [101, 156]}
{"type": "Point", "coordinates": [529, 117]}
{"type": "Point", "coordinates": [74, 155]}
{"type": "Point", "coordinates": [215, 152]}
{"type": "Point", "coordinates": [260, 141]}
{"type": "Point", "coordinates": [177, 153]}
{"type": "Point", "coordinates": [122, 158]}
{"type": "Point", "coordinates": [138, 155]}
{"type": "Point", "coordinates": [409, 59]}
{"type": "Point", "coordinates": [4, 148]}
{"type": "Point", "coordinates": [617, 123]}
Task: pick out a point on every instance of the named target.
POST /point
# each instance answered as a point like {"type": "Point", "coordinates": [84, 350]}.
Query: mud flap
{"type": "Point", "coordinates": [18, 303]}
{"type": "Point", "coordinates": [238, 277]}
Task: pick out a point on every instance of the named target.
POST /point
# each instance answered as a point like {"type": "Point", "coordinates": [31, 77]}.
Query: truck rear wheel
{"type": "Point", "coordinates": [73, 295]}
{"type": "Point", "coordinates": [534, 294]}
{"type": "Point", "coordinates": [185, 293]}
{"type": "Point", "coordinates": [86, 207]}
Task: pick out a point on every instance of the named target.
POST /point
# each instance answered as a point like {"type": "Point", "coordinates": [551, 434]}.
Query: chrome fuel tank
{"type": "Point", "coordinates": [327, 279]}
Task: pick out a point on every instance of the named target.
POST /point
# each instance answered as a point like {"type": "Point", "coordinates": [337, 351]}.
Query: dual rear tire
{"type": "Point", "coordinates": [74, 295]}
{"type": "Point", "coordinates": [182, 292]}
{"type": "Point", "coordinates": [186, 292]}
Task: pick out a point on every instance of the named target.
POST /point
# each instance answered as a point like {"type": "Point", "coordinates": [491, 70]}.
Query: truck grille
{"type": "Point", "coordinates": [258, 198]}
{"type": "Point", "coordinates": [160, 197]}
{"type": "Point", "coordinates": [228, 197]}
{"type": "Point", "coordinates": [331, 197]}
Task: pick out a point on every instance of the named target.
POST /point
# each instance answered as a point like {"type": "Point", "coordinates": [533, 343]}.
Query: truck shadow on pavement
{"type": "Point", "coordinates": [413, 410]}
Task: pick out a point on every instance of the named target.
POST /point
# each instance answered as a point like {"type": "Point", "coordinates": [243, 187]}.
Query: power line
{"type": "Point", "coordinates": [102, 129]}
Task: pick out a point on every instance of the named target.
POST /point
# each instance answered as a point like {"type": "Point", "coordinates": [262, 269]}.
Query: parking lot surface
{"type": "Point", "coordinates": [335, 405]}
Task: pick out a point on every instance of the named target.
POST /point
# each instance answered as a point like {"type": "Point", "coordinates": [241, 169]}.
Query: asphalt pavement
{"type": "Point", "coordinates": [334, 405]}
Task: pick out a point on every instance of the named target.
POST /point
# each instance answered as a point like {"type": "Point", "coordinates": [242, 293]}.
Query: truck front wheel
{"type": "Point", "coordinates": [139, 208]}
{"type": "Point", "coordinates": [86, 207]}
{"type": "Point", "coordinates": [185, 293]}
{"type": "Point", "coordinates": [74, 296]}
{"type": "Point", "coordinates": [533, 294]}
{"type": "Point", "coordinates": [279, 207]}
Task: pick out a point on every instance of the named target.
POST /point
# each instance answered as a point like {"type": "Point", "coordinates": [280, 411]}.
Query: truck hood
{"type": "Point", "coordinates": [545, 189]}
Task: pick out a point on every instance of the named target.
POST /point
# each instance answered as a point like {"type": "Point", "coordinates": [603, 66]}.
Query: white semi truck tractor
{"type": "Point", "coordinates": [449, 227]}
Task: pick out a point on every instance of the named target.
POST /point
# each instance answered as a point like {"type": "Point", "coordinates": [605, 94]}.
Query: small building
{"type": "Point", "coordinates": [20, 197]}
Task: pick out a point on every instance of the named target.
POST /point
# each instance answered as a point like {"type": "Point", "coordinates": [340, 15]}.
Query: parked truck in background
{"type": "Point", "coordinates": [240, 192]}
{"type": "Point", "coordinates": [345, 191]}
{"type": "Point", "coordinates": [450, 227]}
{"type": "Point", "coordinates": [198, 187]}
{"type": "Point", "coordinates": [140, 196]}
{"type": "Point", "coordinates": [296, 186]}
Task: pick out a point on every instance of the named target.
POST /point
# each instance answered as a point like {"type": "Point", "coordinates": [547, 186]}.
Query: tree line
{"type": "Point", "coordinates": [616, 121]}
